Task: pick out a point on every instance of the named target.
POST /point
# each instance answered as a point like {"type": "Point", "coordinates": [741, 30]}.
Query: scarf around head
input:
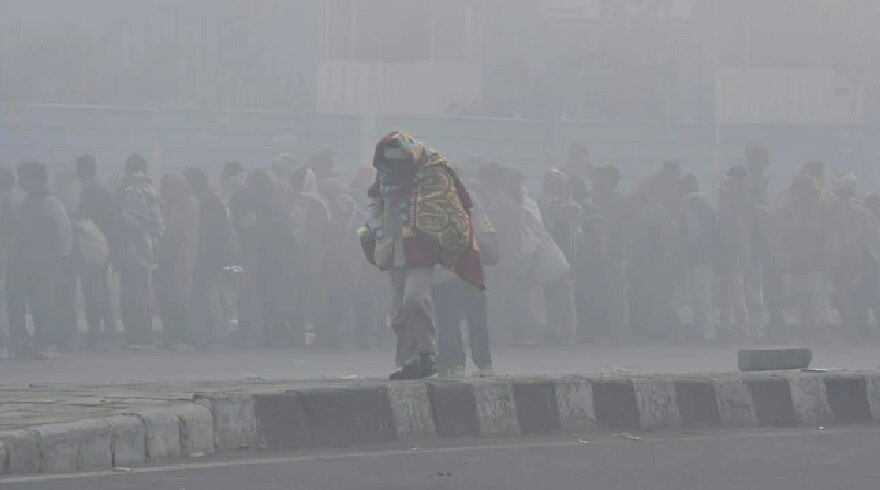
{"type": "Point", "coordinates": [437, 206]}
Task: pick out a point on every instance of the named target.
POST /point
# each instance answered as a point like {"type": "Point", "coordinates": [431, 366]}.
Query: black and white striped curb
{"type": "Point", "coordinates": [375, 413]}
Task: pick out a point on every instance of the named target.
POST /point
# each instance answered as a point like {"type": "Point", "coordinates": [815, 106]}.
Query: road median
{"type": "Point", "coordinates": [315, 415]}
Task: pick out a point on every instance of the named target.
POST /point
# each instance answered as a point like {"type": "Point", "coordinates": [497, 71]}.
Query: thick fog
{"type": "Point", "coordinates": [196, 173]}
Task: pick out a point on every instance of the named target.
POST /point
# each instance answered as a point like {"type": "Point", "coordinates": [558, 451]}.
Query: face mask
{"type": "Point", "coordinates": [392, 154]}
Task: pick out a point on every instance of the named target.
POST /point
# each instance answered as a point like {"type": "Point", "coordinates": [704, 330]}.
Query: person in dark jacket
{"type": "Point", "coordinates": [216, 253]}
{"type": "Point", "coordinates": [175, 257]}
{"type": "Point", "coordinates": [699, 244]}
{"type": "Point", "coordinates": [142, 225]}
{"type": "Point", "coordinates": [97, 208]}
{"type": "Point", "coordinates": [45, 240]}
{"type": "Point", "coordinates": [8, 235]}
{"type": "Point", "coordinates": [267, 242]}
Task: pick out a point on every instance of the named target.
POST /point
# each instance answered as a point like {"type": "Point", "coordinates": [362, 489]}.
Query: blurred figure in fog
{"type": "Point", "coordinates": [98, 228]}
{"type": "Point", "coordinates": [579, 164]}
{"type": "Point", "coordinates": [44, 241]}
{"type": "Point", "coordinates": [340, 269]}
{"type": "Point", "coordinates": [371, 298]}
{"type": "Point", "coordinates": [562, 218]}
{"type": "Point", "coordinates": [806, 238]}
{"type": "Point", "coordinates": [591, 265]}
{"type": "Point", "coordinates": [232, 178]}
{"type": "Point", "coordinates": [282, 169]}
{"type": "Point", "coordinates": [613, 209]}
{"type": "Point", "coordinates": [504, 297]}
{"type": "Point", "coordinates": [858, 271]}
{"type": "Point", "coordinates": [8, 237]}
{"type": "Point", "coordinates": [216, 252]}
{"type": "Point", "coordinates": [757, 161]}
{"type": "Point", "coordinates": [176, 257]}
{"type": "Point", "coordinates": [322, 164]}
{"type": "Point", "coordinates": [699, 245]}
{"type": "Point", "coordinates": [66, 190]}
{"type": "Point", "coordinates": [142, 225]}
{"type": "Point", "coordinates": [310, 218]}
{"type": "Point", "coordinates": [267, 240]}
{"type": "Point", "coordinates": [651, 268]}
{"type": "Point", "coordinates": [654, 268]}
{"type": "Point", "coordinates": [735, 259]}
{"type": "Point", "coordinates": [764, 285]}
{"type": "Point", "coordinates": [526, 300]}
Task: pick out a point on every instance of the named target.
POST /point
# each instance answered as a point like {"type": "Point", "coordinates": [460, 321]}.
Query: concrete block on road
{"type": "Point", "coordinates": [496, 408]}
{"type": "Point", "coordinates": [848, 399]}
{"type": "Point", "coordinates": [574, 397]}
{"type": "Point", "coordinates": [736, 409]}
{"type": "Point", "coordinates": [282, 421]}
{"type": "Point", "coordinates": [872, 384]}
{"type": "Point", "coordinates": [196, 429]}
{"type": "Point", "coordinates": [235, 424]}
{"type": "Point", "coordinates": [774, 359]}
{"type": "Point", "coordinates": [454, 409]}
{"type": "Point", "coordinates": [537, 407]}
{"type": "Point", "coordinates": [615, 403]}
{"type": "Point", "coordinates": [697, 403]}
{"type": "Point", "coordinates": [810, 400]}
{"type": "Point", "coordinates": [774, 406]}
{"type": "Point", "coordinates": [129, 442]}
{"type": "Point", "coordinates": [411, 411]}
{"type": "Point", "coordinates": [658, 406]}
{"type": "Point", "coordinates": [162, 434]}
{"type": "Point", "coordinates": [21, 452]}
{"type": "Point", "coordinates": [349, 416]}
{"type": "Point", "coordinates": [72, 446]}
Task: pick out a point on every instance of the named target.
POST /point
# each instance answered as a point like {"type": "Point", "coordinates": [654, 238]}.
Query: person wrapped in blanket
{"type": "Point", "coordinates": [417, 218]}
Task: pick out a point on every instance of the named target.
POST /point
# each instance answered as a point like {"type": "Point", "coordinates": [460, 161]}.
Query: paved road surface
{"type": "Point", "coordinates": [123, 366]}
{"type": "Point", "coordinates": [790, 460]}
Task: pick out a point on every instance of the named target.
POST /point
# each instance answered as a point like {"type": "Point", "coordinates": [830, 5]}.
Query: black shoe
{"type": "Point", "coordinates": [424, 367]}
{"type": "Point", "coordinates": [410, 371]}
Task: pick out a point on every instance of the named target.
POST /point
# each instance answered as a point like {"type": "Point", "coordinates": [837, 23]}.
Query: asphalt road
{"type": "Point", "coordinates": [788, 460]}
{"type": "Point", "coordinates": [236, 364]}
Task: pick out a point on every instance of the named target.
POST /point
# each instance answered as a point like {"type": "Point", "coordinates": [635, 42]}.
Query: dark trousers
{"type": "Point", "coordinates": [281, 310]}
{"type": "Point", "coordinates": [206, 315]}
{"type": "Point", "coordinates": [32, 288]}
{"type": "Point", "coordinates": [134, 295]}
{"type": "Point", "coordinates": [95, 282]}
{"type": "Point", "coordinates": [64, 309]}
{"type": "Point", "coordinates": [455, 300]}
{"type": "Point", "coordinates": [172, 301]}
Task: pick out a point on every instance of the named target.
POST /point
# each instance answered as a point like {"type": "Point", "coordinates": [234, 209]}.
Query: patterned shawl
{"type": "Point", "coordinates": [440, 204]}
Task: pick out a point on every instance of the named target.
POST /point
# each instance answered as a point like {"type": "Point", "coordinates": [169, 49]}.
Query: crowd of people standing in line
{"type": "Point", "coordinates": [269, 257]}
